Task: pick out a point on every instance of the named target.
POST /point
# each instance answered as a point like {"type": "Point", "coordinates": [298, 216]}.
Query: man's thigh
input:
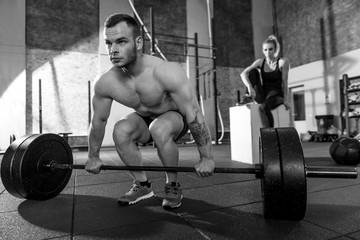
{"type": "Point", "coordinates": [171, 124]}
{"type": "Point", "coordinates": [136, 126]}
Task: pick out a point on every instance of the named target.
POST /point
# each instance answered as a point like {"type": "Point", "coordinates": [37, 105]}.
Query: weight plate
{"type": "Point", "coordinates": [271, 181]}
{"type": "Point", "coordinates": [6, 166]}
{"type": "Point", "coordinates": [27, 177]}
{"type": "Point", "coordinates": [293, 173]}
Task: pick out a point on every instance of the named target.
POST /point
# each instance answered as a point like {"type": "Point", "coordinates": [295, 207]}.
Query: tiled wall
{"type": "Point", "coordinates": [170, 19]}
{"type": "Point", "coordinates": [233, 33]}
{"type": "Point", "coordinates": [313, 30]}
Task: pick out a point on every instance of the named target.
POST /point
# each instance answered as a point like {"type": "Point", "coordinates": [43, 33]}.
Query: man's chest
{"type": "Point", "coordinates": [139, 92]}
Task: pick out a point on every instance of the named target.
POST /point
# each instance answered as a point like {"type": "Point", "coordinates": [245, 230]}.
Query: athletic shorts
{"type": "Point", "coordinates": [149, 120]}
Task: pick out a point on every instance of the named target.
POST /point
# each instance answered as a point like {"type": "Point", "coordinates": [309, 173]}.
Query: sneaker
{"type": "Point", "coordinates": [135, 194]}
{"type": "Point", "coordinates": [173, 196]}
{"type": "Point", "coordinates": [246, 100]}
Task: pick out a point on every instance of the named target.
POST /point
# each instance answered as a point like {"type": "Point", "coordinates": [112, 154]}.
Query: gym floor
{"type": "Point", "coordinates": [224, 206]}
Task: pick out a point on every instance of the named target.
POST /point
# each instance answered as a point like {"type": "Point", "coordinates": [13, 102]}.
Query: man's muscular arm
{"type": "Point", "coordinates": [101, 112]}
{"type": "Point", "coordinates": [175, 81]}
{"type": "Point", "coordinates": [201, 135]}
{"type": "Point", "coordinates": [98, 124]}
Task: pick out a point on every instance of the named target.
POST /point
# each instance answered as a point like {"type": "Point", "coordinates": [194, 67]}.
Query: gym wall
{"type": "Point", "coordinates": [61, 50]}
{"type": "Point", "coordinates": [240, 27]}
{"type": "Point", "coordinates": [322, 41]}
{"type": "Point", "coordinates": [12, 70]}
{"type": "Point", "coordinates": [198, 15]}
{"type": "Point", "coordinates": [170, 19]}
{"type": "Point", "coordinates": [317, 30]}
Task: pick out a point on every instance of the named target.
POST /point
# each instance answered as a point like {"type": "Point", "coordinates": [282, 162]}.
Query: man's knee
{"type": "Point", "coordinates": [123, 130]}
{"type": "Point", "coordinates": [160, 133]}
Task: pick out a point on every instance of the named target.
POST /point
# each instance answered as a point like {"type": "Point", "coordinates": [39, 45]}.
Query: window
{"type": "Point", "coordinates": [298, 100]}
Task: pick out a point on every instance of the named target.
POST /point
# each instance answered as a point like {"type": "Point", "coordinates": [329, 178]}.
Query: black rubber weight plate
{"type": "Point", "coordinates": [6, 166]}
{"type": "Point", "coordinates": [294, 174]}
{"type": "Point", "coordinates": [271, 182]}
{"type": "Point", "coordinates": [22, 170]}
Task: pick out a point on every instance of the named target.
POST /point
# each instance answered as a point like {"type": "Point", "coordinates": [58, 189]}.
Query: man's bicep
{"type": "Point", "coordinates": [185, 99]}
{"type": "Point", "coordinates": [101, 107]}
{"type": "Point", "coordinates": [178, 85]}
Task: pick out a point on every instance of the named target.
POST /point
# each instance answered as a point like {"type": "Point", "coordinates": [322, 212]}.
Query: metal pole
{"type": "Point", "coordinates": [89, 102]}
{"type": "Point", "coordinates": [346, 104]}
{"type": "Point", "coordinates": [40, 107]}
{"type": "Point", "coordinates": [275, 27]}
{"type": "Point", "coordinates": [152, 27]}
{"type": "Point", "coordinates": [215, 86]}
{"type": "Point", "coordinates": [143, 38]}
{"type": "Point", "coordinates": [197, 66]}
{"type": "Point", "coordinates": [182, 43]}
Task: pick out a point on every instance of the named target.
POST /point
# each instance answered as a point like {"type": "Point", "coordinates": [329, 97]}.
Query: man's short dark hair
{"type": "Point", "coordinates": [116, 18]}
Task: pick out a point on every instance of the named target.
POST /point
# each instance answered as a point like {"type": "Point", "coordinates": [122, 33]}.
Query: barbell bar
{"type": "Point", "coordinates": [39, 166]}
{"type": "Point", "coordinates": [255, 170]}
{"type": "Point", "coordinates": [311, 171]}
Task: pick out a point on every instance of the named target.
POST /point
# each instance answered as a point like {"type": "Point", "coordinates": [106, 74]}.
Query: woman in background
{"type": "Point", "coordinates": [270, 87]}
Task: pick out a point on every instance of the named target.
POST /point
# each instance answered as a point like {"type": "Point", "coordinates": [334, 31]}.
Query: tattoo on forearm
{"type": "Point", "coordinates": [200, 132]}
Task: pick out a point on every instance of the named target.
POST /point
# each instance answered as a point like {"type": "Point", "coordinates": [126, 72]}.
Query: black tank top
{"type": "Point", "coordinates": [272, 81]}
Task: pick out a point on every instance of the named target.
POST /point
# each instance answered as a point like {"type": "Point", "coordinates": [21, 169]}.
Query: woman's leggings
{"type": "Point", "coordinates": [268, 103]}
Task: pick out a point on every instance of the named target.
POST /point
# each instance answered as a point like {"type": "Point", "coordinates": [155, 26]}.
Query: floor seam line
{"type": "Point", "coordinates": [336, 188]}
{"type": "Point", "coordinates": [329, 229]}
{"type": "Point", "coordinates": [195, 228]}
{"type": "Point", "coordinates": [73, 208]}
{"type": "Point", "coordinates": [220, 208]}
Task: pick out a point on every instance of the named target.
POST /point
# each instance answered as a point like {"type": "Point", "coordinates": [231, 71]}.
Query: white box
{"type": "Point", "coordinates": [281, 116]}
{"type": "Point", "coordinates": [245, 124]}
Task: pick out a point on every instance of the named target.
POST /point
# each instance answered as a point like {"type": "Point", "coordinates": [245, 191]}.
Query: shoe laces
{"type": "Point", "coordinates": [135, 187]}
{"type": "Point", "coordinates": [172, 189]}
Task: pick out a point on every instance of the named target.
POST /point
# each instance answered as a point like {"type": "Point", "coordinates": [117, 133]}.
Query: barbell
{"type": "Point", "coordinates": [39, 166]}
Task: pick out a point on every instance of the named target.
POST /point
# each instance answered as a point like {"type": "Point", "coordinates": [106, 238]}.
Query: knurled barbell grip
{"type": "Point", "coordinates": [54, 165]}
